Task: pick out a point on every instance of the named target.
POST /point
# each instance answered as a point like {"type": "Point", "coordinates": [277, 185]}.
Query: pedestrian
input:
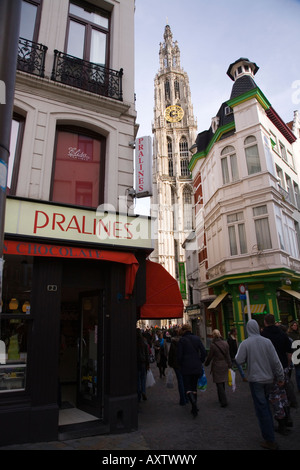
{"type": "Point", "coordinates": [264, 367]}
{"type": "Point", "coordinates": [233, 347]}
{"type": "Point", "coordinates": [281, 401]}
{"type": "Point", "coordinates": [161, 353]}
{"type": "Point", "coordinates": [142, 364]}
{"type": "Point", "coordinates": [294, 335]}
{"type": "Point", "coordinates": [173, 362]}
{"type": "Point", "coordinates": [191, 354]}
{"type": "Point", "coordinates": [220, 360]}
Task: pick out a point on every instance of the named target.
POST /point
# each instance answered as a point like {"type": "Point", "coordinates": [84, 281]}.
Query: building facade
{"type": "Point", "coordinates": [75, 269]}
{"type": "Point", "coordinates": [245, 173]}
{"type": "Point", "coordinates": [174, 132]}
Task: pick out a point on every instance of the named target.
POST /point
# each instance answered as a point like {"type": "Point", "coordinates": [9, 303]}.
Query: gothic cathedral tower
{"type": "Point", "coordinates": [174, 132]}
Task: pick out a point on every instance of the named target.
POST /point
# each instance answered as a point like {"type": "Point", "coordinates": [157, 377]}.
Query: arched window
{"type": "Point", "coordinates": [170, 157]}
{"type": "Point", "coordinates": [167, 90]}
{"type": "Point", "coordinates": [229, 164]}
{"type": "Point", "coordinates": [252, 156]}
{"type": "Point", "coordinates": [176, 89]}
{"type": "Point", "coordinates": [184, 157]}
{"type": "Point", "coordinates": [78, 176]}
{"type": "Point", "coordinates": [187, 208]}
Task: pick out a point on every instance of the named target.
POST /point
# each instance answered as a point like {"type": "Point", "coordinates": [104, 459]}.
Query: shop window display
{"type": "Point", "coordinates": [14, 324]}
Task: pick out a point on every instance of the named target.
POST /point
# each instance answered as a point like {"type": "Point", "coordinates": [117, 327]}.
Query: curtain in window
{"type": "Point", "coordinates": [252, 159]}
{"type": "Point", "coordinates": [263, 236]}
{"type": "Point", "coordinates": [232, 241]}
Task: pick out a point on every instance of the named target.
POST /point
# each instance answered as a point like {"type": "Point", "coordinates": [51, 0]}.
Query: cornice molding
{"type": "Point", "coordinates": [56, 91]}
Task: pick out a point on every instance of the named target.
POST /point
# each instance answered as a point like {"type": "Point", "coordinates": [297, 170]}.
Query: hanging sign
{"type": "Point", "coordinates": [143, 167]}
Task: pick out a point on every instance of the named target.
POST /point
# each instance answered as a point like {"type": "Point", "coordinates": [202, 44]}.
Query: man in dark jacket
{"type": "Point", "coordinates": [191, 354]}
{"type": "Point", "coordinates": [280, 397]}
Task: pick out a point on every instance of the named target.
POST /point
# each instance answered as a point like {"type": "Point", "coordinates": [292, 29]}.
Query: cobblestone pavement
{"type": "Point", "coordinates": [164, 425]}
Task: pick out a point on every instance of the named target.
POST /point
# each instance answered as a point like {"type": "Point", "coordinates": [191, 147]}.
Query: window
{"type": "Point", "coordinates": [88, 33]}
{"type": "Point", "coordinates": [280, 176]}
{"type": "Point", "coordinates": [290, 191]}
{"type": "Point", "coordinates": [229, 165]}
{"type": "Point", "coordinates": [15, 324]}
{"type": "Point", "coordinates": [283, 151]}
{"type": "Point", "coordinates": [279, 228]}
{"type": "Point", "coordinates": [176, 89]}
{"type": "Point", "coordinates": [262, 229]}
{"type": "Point", "coordinates": [16, 138]}
{"type": "Point", "coordinates": [167, 90]}
{"type": "Point", "coordinates": [78, 168]}
{"type": "Point", "coordinates": [187, 209]}
{"type": "Point", "coordinates": [252, 156]}
{"type": "Point", "coordinates": [170, 157]}
{"type": "Point", "coordinates": [184, 157]}
{"type": "Point", "coordinates": [237, 233]}
{"type": "Point", "coordinates": [296, 192]}
{"type": "Point", "coordinates": [290, 236]}
{"type": "Point", "coordinates": [29, 23]}
{"type": "Point", "coordinates": [274, 143]}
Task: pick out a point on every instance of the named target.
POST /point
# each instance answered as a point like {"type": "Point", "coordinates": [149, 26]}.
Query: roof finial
{"type": "Point", "coordinates": [167, 20]}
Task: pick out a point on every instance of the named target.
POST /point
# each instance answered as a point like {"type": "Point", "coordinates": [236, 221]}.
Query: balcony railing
{"type": "Point", "coordinates": [31, 57]}
{"type": "Point", "coordinates": [87, 76]}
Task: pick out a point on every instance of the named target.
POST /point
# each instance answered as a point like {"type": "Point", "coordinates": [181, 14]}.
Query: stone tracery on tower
{"type": "Point", "coordinates": [174, 131]}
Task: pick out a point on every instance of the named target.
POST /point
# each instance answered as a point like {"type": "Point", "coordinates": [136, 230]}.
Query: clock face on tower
{"type": "Point", "coordinates": [174, 113]}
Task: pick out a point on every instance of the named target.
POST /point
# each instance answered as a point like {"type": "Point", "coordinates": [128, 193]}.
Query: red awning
{"type": "Point", "coordinates": [60, 251]}
{"type": "Point", "coordinates": [163, 298]}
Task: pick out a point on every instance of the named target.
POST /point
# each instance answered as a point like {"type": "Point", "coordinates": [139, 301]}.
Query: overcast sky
{"type": "Point", "coordinates": [212, 34]}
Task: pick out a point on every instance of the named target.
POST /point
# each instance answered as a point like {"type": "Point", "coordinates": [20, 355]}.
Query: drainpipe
{"type": "Point", "coordinates": [10, 15]}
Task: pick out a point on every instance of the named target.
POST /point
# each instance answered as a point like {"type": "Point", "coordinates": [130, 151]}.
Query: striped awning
{"type": "Point", "coordinates": [217, 300]}
{"type": "Point", "coordinates": [294, 293]}
{"type": "Point", "coordinates": [256, 308]}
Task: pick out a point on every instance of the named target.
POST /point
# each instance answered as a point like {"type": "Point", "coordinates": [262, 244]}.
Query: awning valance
{"type": "Point", "coordinates": [163, 298]}
{"type": "Point", "coordinates": [61, 251]}
{"type": "Point", "coordinates": [256, 308]}
{"type": "Point", "coordinates": [217, 300]}
{"type": "Point", "coordinates": [294, 293]}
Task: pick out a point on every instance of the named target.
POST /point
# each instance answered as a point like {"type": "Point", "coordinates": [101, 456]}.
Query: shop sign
{"type": "Point", "coordinates": [143, 167]}
{"type": "Point", "coordinates": [49, 221]}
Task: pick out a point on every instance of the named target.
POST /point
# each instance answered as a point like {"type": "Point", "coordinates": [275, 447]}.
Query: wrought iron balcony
{"type": "Point", "coordinates": [31, 57]}
{"type": "Point", "coordinates": [87, 76]}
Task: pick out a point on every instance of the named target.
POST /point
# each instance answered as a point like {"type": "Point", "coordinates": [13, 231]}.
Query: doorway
{"type": "Point", "coordinates": [81, 356]}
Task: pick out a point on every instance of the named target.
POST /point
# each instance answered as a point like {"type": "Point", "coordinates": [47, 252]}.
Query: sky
{"type": "Point", "coordinates": [211, 35]}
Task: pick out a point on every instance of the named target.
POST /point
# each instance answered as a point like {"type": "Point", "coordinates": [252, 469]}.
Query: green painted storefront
{"type": "Point", "coordinates": [271, 291]}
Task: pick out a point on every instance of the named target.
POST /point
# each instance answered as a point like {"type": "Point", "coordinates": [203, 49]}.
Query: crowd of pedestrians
{"type": "Point", "coordinates": [266, 355]}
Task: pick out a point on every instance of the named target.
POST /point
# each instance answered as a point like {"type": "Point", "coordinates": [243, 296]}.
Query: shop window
{"type": "Point", "coordinates": [78, 168]}
{"type": "Point", "coordinates": [15, 322]}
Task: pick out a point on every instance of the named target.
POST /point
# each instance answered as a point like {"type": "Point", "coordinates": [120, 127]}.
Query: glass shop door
{"type": "Point", "coordinates": [91, 354]}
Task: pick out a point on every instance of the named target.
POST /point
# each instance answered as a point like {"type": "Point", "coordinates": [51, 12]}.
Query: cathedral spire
{"type": "Point", "coordinates": [169, 53]}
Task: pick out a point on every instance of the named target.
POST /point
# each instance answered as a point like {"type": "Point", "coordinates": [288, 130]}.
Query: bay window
{"type": "Point", "coordinates": [237, 233]}
{"type": "Point", "coordinates": [262, 229]}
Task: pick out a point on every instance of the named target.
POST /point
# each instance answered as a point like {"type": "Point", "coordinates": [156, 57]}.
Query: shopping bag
{"type": "Point", "coordinates": [150, 381]}
{"type": "Point", "coordinates": [202, 382]}
{"type": "Point", "coordinates": [231, 379]}
{"type": "Point", "coordinates": [170, 383]}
